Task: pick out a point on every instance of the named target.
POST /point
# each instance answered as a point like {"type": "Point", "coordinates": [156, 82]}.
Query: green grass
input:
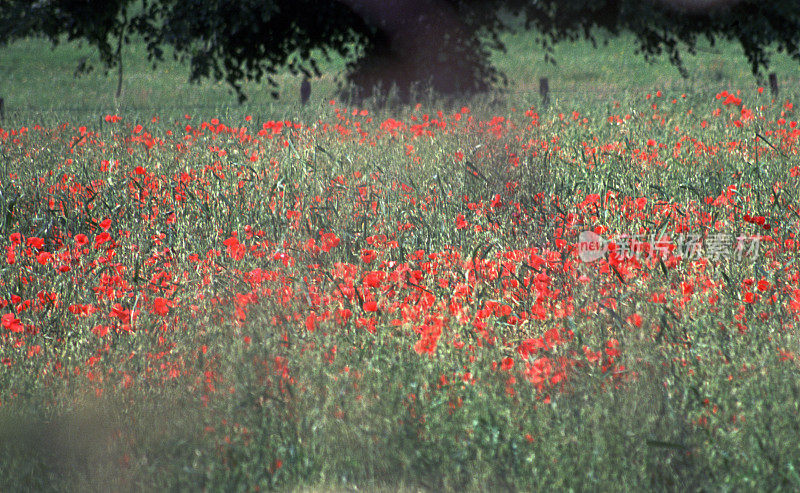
{"type": "Point", "coordinates": [35, 78]}
{"type": "Point", "coordinates": [677, 375]}
{"type": "Point", "coordinates": [584, 72]}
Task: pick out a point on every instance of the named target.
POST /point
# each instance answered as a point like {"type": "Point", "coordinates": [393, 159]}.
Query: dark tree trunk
{"type": "Point", "coordinates": [419, 43]}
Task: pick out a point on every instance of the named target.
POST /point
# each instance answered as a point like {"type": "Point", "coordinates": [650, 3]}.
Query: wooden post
{"type": "Point", "coordinates": [305, 91]}
{"type": "Point", "coordinates": [773, 83]}
{"type": "Point", "coordinates": [2, 110]}
{"type": "Point", "coordinates": [544, 90]}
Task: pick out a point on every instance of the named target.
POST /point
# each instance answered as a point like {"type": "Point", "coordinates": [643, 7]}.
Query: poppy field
{"type": "Point", "coordinates": [405, 301]}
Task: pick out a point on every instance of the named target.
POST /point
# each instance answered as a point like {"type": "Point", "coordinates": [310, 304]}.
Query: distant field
{"type": "Point", "coordinates": [35, 78]}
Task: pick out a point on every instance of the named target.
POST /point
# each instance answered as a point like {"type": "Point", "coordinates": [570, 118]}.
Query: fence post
{"type": "Point", "coordinates": [773, 83]}
{"type": "Point", "coordinates": [2, 110]}
{"type": "Point", "coordinates": [305, 91]}
{"type": "Point", "coordinates": [544, 90]}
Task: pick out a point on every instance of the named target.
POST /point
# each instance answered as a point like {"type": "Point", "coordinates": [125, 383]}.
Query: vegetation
{"type": "Point", "coordinates": [338, 297]}
{"type": "Point", "coordinates": [441, 44]}
{"type": "Point", "coordinates": [583, 74]}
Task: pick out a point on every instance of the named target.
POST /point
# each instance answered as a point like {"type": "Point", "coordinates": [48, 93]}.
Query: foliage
{"type": "Point", "coordinates": [412, 44]}
{"type": "Point", "coordinates": [398, 300]}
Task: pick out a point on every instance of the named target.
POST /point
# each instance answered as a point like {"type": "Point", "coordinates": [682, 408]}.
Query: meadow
{"type": "Point", "coordinates": [197, 295]}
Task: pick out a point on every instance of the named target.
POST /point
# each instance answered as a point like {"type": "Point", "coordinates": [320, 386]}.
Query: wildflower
{"type": "Point", "coordinates": [161, 307]}
{"type": "Point", "coordinates": [367, 256]}
{"type": "Point", "coordinates": [12, 323]}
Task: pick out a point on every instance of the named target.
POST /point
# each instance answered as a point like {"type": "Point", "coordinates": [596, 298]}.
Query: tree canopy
{"type": "Point", "coordinates": [443, 43]}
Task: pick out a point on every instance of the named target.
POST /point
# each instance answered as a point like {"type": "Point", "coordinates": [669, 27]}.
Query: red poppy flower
{"type": "Point", "coordinates": [12, 323]}
{"type": "Point", "coordinates": [161, 307]}
{"type": "Point", "coordinates": [367, 256]}
{"type": "Point", "coordinates": [35, 242]}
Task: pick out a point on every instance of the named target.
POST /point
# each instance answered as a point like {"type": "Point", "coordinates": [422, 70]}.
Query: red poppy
{"type": "Point", "coordinates": [35, 242]}
{"type": "Point", "coordinates": [367, 256]}
{"type": "Point", "coordinates": [101, 238]}
{"type": "Point", "coordinates": [12, 323]}
{"type": "Point", "coordinates": [161, 307]}
{"type": "Point", "coordinates": [44, 257]}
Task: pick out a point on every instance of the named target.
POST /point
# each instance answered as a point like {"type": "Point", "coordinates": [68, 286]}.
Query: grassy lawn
{"type": "Point", "coordinates": [197, 295]}
{"type": "Point", "coordinates": [35, 78]}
